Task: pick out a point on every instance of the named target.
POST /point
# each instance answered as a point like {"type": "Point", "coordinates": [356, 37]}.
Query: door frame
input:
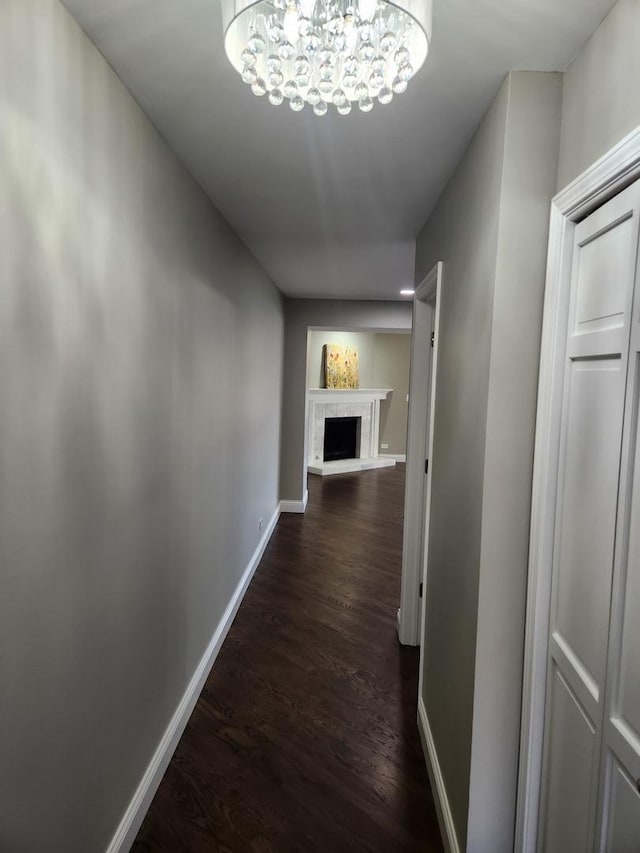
{"type": "Point", "coordinates": [426, 305]}
{"type": "Point", "coordinates": [612, 173]}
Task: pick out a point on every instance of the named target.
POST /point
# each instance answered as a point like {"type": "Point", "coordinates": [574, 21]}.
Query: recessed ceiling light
{"type": "Point", "coordinates": [407, 292]}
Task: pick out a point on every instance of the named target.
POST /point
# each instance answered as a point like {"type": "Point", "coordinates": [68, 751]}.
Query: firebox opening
{"type": "Point", "coordinates": [341, 438]}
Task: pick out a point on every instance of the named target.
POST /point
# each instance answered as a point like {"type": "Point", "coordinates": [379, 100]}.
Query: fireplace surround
{"type": "Point", "coordinates": [362, 403]}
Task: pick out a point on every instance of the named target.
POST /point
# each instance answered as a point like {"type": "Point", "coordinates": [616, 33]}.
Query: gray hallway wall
{"type": "Point", "coordinates": [462, 232]}
{"type": "Point", "coordinates": [392, 363]}
{"type": "Point", "coordinates": [140, 380]}
{"type": "Point", "coordinates": [600, 99]}
{"type": "Point", "coordinates": [490, 229]}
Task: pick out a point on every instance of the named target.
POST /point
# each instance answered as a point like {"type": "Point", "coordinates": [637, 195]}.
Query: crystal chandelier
{"type": "Point", "coordinates": [322, 52]}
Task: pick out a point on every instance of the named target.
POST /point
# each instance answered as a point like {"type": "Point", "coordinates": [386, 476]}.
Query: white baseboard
{"type": "Point", "coordinates": [443, 809]}
{"type": "Point", "coordinates": [399, 457]}
{"type": "Point", "coordinates": [134, 815]}
{"type": "Point", "coordinates": [295, 506]}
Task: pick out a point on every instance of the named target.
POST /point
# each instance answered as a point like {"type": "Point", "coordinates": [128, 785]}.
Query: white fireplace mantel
{"type": "Point", "coordinates": [349, 395]}
{"type": "Point", "coordinates": [363, 403]}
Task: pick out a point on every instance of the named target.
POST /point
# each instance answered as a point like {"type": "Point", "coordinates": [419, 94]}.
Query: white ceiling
{"type": "Point", "coordinates": [330, 206]}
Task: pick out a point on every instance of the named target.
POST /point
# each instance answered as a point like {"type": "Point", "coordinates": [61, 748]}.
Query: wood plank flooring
{"type": "Point", "coordinates": [305, 737]}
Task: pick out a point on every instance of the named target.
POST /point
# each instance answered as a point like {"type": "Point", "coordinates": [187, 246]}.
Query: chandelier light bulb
{"type": "Point", "coordinates": [291, 22]}
{"type": "Point", "coordinates": [350, 33]}
{"type": "Point", "coordinates": [306, 7]}
{"type": "Point", "coordinates": [367, 9]}
{"type": "Point", "coordinates": [327, 53]}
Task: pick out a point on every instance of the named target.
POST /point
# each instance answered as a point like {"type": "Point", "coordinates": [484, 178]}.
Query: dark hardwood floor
{"type": "Point", "coordinates": [305, 737]}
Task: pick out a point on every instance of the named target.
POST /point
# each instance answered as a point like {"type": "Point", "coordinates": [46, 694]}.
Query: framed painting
{"type": "Point", "coordinates": [340, 366]}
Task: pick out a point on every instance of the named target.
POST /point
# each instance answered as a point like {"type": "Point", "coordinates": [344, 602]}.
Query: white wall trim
{"type": "Point", "coordinates": [295, 506]}
{"type": "Point", "coordinates": [614, 171]}
{"type": "Point", "coordinates": [134, 815]}
{"type": "Point", "coordinates": [399, 457]}
{"type": "Point", "coordinates": [608, 176]}
{"type": "Point", "coordinates": [435, 296]}
{"type": "Point", "coordinates": [443, 808]}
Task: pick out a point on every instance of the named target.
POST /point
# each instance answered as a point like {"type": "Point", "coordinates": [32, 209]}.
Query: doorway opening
{"type": "Point", "coordinates": [375, 398]}
{"type": "Point", "coordinates": [381, 403]}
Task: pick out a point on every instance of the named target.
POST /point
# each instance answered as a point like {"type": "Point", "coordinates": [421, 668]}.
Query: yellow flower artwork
{"type": "Point", "coordinates": [340, 366]}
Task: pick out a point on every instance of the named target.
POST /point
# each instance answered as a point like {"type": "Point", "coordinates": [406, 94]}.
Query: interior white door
{"type": "Point", "coordinates": [619, 791]}
{"type": "Point", "coordinates": [603, 274]}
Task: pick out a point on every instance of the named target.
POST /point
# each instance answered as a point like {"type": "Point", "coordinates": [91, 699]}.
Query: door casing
{"type": "Point", "coordinates": [419, 438]}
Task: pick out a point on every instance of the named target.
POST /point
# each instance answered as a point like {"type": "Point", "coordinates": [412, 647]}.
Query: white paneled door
{"type": "Point", "coordinates": [619, 788]}
{"type": "Point", "coordinates": [591, 767]}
